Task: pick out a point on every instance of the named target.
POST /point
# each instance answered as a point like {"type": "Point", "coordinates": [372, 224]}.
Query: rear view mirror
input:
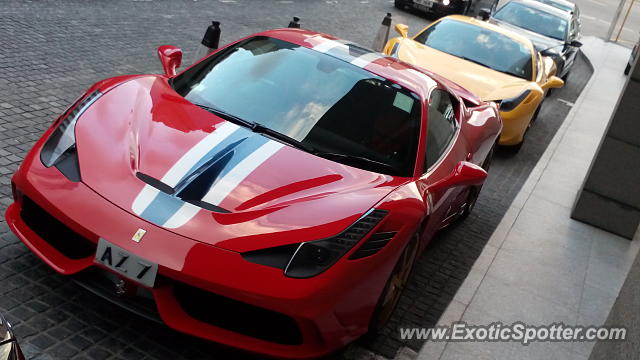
{"type": "Point", "coordinates": [403, 30]}
{"type": "Point", "coordinates": [553, 82]}
{"type": "Point", "coordinates": [575, 43]}
{"type": "Point", "coordinates": [464, 174]}
{"type": "Point", "coordinates": [171, 58]}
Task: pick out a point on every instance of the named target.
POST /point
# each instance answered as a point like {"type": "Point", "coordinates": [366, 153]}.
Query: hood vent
{"type": "Point", "coordinates": [184, 196]}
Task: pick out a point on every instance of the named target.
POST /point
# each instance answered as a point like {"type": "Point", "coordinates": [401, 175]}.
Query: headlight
{"type": "Point", "coordinates": [313, 257]}
{"type": "Point", "coordinates": [63, 137]}
{"type": "Point", "coordinates": [510, 104]}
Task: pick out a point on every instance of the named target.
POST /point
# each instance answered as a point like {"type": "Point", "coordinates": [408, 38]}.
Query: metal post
{"type": "Point", "coordinates": [626, 16]}
{"type": "Point", "coordinates": [614, 22]}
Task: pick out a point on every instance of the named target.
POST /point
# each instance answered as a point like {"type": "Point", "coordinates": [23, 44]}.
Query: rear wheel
{"type": "Point", "coordinates": [395, 285]}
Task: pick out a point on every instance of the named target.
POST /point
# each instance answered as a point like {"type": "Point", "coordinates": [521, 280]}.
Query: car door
{"type": "Point", "coordinates": [444, 148]}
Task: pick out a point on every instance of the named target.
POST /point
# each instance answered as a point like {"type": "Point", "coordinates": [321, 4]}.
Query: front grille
{"type": "Point", "coordinates": [102, 284]}
{"type": "Point", "coordinates": [54, 232]}
{"type": "Point", "coordinates": [237, 316]}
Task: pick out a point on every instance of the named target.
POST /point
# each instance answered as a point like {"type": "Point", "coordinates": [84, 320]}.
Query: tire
{"type": "Point", "coordinates": [535, 114]}
{"type": "Point", "coordinates": [395, 285]}
{"type": "Point", "coordinates": [627, 70]}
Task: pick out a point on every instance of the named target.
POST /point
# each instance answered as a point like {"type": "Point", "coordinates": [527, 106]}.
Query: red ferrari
{"type": "Point", "coordinates": [272, 197]}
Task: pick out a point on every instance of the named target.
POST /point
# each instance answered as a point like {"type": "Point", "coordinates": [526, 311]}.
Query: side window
{"type": "Point", "coordinates": [441, 125]}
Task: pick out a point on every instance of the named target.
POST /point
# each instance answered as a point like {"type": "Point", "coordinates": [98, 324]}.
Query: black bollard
{"type": "Point", "coordinates": [295, 23]}
{"type": "Point", "coordinates": [210, 40]}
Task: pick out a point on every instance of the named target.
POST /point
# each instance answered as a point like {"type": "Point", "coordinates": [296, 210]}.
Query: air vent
{"type": "Point", "coordinates": [374, 244]}
{"type": "Point", "coordinates": [181, 195]}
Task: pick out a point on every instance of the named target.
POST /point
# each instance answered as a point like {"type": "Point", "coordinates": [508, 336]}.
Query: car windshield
{"type": "Point", "coordinates": [479, 45]}
{"type": "Point", "coordinates": [318, 102]}
{"type": "Point", "coordinates": [534, 20]}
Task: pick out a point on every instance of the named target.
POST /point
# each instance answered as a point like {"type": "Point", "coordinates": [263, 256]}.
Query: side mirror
{"type": "Point", "coordinates": [464, 174]}
{"type": "Point", "coordinates": [575, 43]}
{"type": "Point", "coordinates": [553, 82]}
{"type": "Point", "coordinates": [171, 58]}
{"type": "Point", "coordinates": [403, 30]}
{"type": "Point", "coordinates": [484, 14]}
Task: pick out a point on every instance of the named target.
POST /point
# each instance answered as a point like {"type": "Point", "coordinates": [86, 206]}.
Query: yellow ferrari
{"type": "Point", "coordinates": [494, 63]}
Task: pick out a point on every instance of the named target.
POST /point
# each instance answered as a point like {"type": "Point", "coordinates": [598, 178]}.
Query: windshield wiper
{"type": "Point", "coordinates": [225, 115]}
{"type": "Point", "coordinates": [258, 128]}
{"type": "Point", "coordinates": [358, 159]}
{"type": "Point", "coordinates": [261, 129]}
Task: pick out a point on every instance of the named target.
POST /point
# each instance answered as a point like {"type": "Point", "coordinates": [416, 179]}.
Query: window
{"type": "Point", "coordinates": [441, 126]}
{"type": "Point", "coordinates": [337, 110]}
{"type": "Point", "coordinates": [532, 19]}
{"type": "Point", "coordinates": [479, 45]}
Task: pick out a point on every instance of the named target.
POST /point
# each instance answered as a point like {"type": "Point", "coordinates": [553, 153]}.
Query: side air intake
{"type": "Point", "coordinates": [374, 244]}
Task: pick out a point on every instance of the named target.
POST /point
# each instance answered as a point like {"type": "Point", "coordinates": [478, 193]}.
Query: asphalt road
{"type": "Point", "coordinates": [53, 50]}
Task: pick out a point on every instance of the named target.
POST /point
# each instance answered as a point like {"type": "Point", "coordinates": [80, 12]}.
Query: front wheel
{"type": "Point", "coordinates": [395, 285]}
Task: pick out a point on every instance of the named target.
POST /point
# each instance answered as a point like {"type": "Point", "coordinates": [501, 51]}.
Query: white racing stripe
{"type": "Point", "coordinates": [327, 45]}
{"type": "Point", "coordinates": [224, 186]}
{"type": "Point", "coordinates": [183, 165]}
{"type": "Point", "coordinates": [191, 157]}
{"type": "Point", "coordinates": [144, 198]}
{"type": "Point", "coordinates": [366, 59]}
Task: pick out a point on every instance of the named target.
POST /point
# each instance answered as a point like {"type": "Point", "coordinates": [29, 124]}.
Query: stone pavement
{"type": "Point", "coordinates": [541, 267]}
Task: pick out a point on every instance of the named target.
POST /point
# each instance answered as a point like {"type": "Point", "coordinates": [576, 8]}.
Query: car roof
{"type": "Point", "coordinates": [566, 3]}
{"type": "Point", "coordinates": [544, 7]}
{"type": "Point", "coordinates": [495, 28]}
{"type": "Point", "coordinates": [407, 75]}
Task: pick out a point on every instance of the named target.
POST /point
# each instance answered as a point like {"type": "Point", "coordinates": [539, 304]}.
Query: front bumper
{"type": "Point", "coordinates": [314, 316]}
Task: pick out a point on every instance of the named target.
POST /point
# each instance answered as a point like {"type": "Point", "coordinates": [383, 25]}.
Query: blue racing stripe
{"type": "Point", "coordinates": [161, 208]}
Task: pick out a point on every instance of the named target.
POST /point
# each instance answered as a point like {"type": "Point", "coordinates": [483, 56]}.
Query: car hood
{"type": "Point", "coordinates": [146, 149]}
{"type": "Point", "coordinates": [486, 83]}
{"type": "Point", "coordinates": [540, 42]}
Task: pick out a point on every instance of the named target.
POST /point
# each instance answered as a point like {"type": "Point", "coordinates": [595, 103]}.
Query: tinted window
{"type": "Point", "coordinates": [441, 126]}
{"type": "Point", "coordinates": [325, 103]}
{"type": "Point", "coordinates": [534, 20]}
{"type": "Point", "coordinates": [479, 45]}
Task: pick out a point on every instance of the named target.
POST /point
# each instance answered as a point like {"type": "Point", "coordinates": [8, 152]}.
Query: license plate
{"type": "Point", "coordinates": [126, 264]}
